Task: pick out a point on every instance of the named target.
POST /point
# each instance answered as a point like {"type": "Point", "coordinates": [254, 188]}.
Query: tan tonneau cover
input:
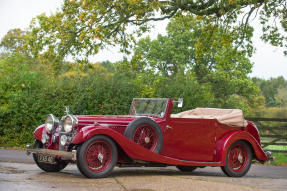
{"type": "Point", "coordinates": [231, 117]}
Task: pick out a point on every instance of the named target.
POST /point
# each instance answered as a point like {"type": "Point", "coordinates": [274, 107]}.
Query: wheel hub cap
{"type": "Point", "coordinates": [100, 157]}
{"type": "Point", "coordinates": [147, 139]}
{"type": "Point", "coordinates": [145, 136]}
{"type": "Point", "coordinates": [240, 158]}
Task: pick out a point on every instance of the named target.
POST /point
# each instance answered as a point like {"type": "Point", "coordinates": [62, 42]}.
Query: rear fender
{"type": "Point", "coordinates": [38, 132]}
{"type": "Point", "coordinates": [230, 138]}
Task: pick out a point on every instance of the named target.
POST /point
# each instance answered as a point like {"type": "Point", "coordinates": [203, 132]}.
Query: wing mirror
{"type": "Point", "coordinates": [179, 102]}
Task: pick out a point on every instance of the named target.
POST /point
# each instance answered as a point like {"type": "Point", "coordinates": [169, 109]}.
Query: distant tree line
{"type": "Point", "coordinates": [274, 91]}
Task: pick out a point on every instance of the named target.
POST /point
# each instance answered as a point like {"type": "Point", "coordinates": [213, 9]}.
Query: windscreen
{"type": "Point", "coordinates": [149, 106]}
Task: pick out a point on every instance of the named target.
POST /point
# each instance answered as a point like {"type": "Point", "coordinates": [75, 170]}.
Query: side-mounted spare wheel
{"type": "Point", "coordinates": [58, 166]}
{"type": "Point", "coordinates": [238, 159]}
{"type": "Point", "coordinates": [145, 132]}
{"type": "Point", "coordinates": [97, 157]}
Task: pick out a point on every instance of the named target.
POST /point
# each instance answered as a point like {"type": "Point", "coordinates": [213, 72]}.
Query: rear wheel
{"type": "Point", "coordinates": [238, 159]}
{"type": "Point", "coordinates": [186, 168]}
{"type": "Point", "coordinates": [97, 157]}
{"type": "Point", "coordinates": [58, 166]}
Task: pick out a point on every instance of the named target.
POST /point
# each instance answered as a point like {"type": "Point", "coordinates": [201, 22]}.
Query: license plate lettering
{"type": "Point", "coordinates": [46, 159]}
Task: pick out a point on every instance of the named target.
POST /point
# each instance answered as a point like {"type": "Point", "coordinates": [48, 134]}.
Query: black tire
{"type": "Point", "coordinates": [245, 164]}
{"type": "Point", "coordinates": [60, 165]}
{"type": "Point", "coordinates": [82, 162]}
{"type": "Point", "coordinates": [186, 168]}
{"type": "Point", "coordinates": [137, 123]}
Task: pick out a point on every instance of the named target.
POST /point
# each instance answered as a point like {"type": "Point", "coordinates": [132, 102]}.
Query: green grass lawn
{"type": "Point", "coordinates": [280, 158]}
{"type": "Point", "coordinates": [276, 147]}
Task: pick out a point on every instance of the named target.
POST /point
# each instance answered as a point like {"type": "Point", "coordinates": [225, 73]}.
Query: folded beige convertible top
{"type": "Point", "coordinates": [231, 117]}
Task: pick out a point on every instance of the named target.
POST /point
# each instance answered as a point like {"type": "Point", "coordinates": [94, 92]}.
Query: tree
{"type": "Point", "coordinates": [205, 51]}
{"type": "Point", "coordinates": [194, 43]}
{"type": "Point", "coordinates": [281, 98]}
{"type": "Point", "coordinates": [273, 90]}
{"type": "Point", "coordinates": [15, 41]}
{"type": "Point", "coordinates": [81, 27]}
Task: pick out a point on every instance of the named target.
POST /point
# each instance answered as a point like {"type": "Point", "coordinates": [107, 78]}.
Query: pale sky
{"type": "Point", "coordinates": [268, 61]}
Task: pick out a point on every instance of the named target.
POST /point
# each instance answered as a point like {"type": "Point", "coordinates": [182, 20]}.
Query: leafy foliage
{"type": "Point", "coordinates": [30, 90]}
{"type": "Point", "coordinates": [15, 41]}
{"type": "Point", "coordinates": [204, 58]}
{"type": "Point", "coordinates": [29, 93]}
{"type": "Point", "coordinates": [273, 90]}
{"type": "Point", "coordinates": [82, 27]}
{"type": "Point", "coordinates": [205, 52]}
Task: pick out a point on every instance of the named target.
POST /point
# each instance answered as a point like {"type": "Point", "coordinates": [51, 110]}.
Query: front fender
{"type": "Point", "coordinates": [89, 131]}
{"type": "Point", "coordinates": [230, 138]}
{"type": "Point", "coordinates": [131, 148]}
{"type": "Point", "coordinates": [38, 132]}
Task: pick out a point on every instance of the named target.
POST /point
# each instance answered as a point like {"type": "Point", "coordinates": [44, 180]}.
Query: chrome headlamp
{"type": "Point", "coordinates": [51, 123]}
{"type": "Point", "coordinates": [69, 122]}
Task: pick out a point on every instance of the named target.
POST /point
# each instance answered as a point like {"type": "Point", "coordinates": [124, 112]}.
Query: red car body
{"type": "Point", "coordinates": [187, 142]}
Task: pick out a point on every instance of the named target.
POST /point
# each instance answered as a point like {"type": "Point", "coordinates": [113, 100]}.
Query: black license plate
{"type": "Point", "coordinates": [46, 159]}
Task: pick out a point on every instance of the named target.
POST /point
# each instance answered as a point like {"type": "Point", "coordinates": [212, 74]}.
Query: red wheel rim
{"type": "Point", "coordinates": [146, 136]}
{"type": "Point", "coordinates": [98, 156]}
{"type": "Point", "coordinates": [237, 157]}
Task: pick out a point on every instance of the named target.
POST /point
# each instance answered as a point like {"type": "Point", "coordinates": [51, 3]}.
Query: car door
{"type": "Point", "coordinates": [190, 139]}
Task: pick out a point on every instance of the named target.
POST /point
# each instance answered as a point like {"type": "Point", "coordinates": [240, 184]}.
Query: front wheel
{"type": "Point", "coordinates": [238, 159]}
{"type": "Point", "coordinates": [97, 157]}
{"type": "Point", "coordinates": [58, 166]}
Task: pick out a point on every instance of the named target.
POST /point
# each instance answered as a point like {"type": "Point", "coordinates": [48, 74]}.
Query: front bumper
{"type": "Point", "coordinates": [63, 154]}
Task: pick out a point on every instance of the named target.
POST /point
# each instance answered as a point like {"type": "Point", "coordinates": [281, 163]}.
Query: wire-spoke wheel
{"type": "Point", "coordinates": [97, 157]}
{"type": "Point", "coordinates": [146, 136]}
{"type": "Point", "coordinates": [146, 133]}
{"type": "Point", "coordinates": [238, 159]}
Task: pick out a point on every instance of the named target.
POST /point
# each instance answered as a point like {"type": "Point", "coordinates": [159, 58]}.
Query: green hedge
{"type": "Point", "coordinates": [30, 90]}
{"type": "Point", "coordinates": [28, 95]}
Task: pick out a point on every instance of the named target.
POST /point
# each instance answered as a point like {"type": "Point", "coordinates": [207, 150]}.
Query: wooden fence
{"type": "Point", "coordinates": [273, 133]}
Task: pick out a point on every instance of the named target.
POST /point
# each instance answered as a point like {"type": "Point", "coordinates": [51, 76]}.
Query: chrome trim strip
{"type": "Point", "coordinates": [102, 124]}
{"type": "Point", "coordinates": [111, 125]}
{"type": "Point", "coordinates": [101, 121]}
{"type": "Point", "coordinates": [104, 115]}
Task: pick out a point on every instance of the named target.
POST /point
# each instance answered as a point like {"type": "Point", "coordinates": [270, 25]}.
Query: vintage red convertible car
{"type": "Point", "coordinates": [149, 136]}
